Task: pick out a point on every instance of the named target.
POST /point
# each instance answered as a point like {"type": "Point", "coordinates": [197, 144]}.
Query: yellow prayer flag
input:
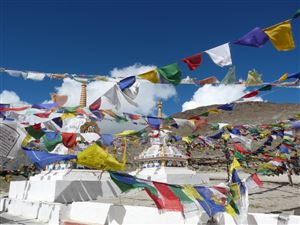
{"type": "Point", "coordinates": [284, 77]}
{"type": "Point", "coordinates": [281, 36]}
{"type": "Point", "coordinates": [234, 164]}
{"type": "Point", "coordinates": [67, 115]}
{"type": "Point", "coordinates": [152, 76]}
{"type": "Point", "coordinates": [235, 191]}
{"type": "Point", "coordinates": [97, 158]}
{"type": "Point", "coordinates": [191, 192]}
{"type": "Point", "coordinates": [213, 110]}
{"type": "Point", "coordinates": [127, 133]}
{"type": "Point", "coordinates": [187, 139]}
{"type": "Point", "coordinates": [230, 210]}
{"type": "Point", "coordinates": [26, 140]}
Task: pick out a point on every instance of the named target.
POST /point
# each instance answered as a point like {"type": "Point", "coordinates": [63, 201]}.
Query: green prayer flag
{"type": "Point", "coordinates": [171, 73]}
{"type": "Point", "coordinates": [239, 155]}
{"type": "Point", "coordinates": [204, 114]}
{"type": "Point", "coordinates": [230, 77]}
{"type": "Point", "coordinates": [296, 14]}
{"type": "Point", "coordinates": [51, 139]}
{"type": "Point", "coordinates": [266, 88]}
{"type": "Point", "coordinates": [180, 194]}
{"type": "Point", "coordinates": [71, 109]}
{"type": "Point", "coordinates": [36, 133]}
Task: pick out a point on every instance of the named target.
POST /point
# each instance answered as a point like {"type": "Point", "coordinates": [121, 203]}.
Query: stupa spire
{"type": "Point", "coordinates": [83, 94]}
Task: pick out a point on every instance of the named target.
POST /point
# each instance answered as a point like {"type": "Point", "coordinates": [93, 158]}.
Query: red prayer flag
{"type": "Point", "coordinates": [257, 180]}
{"type": "Point", "coordinates": [239, 148]}
{"type": "Point", "coordinates": [14, 109]}
{"type": "Point", "coordinates": [251, 94]}
{"type": "Point", "coordinates": [43, 115]}
{"type": "Point", "coordinates": [95, 105]}
{"type": "Point", "coordinates": [209, 80]}
{"type": "Point", "coordinates": [69, 139]}
{"type": "Point", "coordinates": [193, 61]}
{"type": "Point", "coordinates": [169, 200]}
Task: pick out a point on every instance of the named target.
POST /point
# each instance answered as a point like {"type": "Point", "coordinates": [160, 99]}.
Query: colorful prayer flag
{"type": "Point", "coordinates": [251, 94]}
{"type": "Point", "coordinates": [254, 38]}
{"type": "Point", "coordinates": [281, 36]}
{"type": "Point", "coordinates": [170, 73]}
{"type": "Point", "coordinates": [151, 76]}
{"type": "Point", "coordinates": [220, 55]}
{"type": "Point", "coordinates": [51, 139]}
{"type": "Point", "coordinates": [127, 82]}
{"type": "Point", "coordinates": [234, 165]}
{"type": "Point", "coordinates": [69, 139]}
{"type": "Point", "coordinates": [230, 77]}
{"type": "Point", "coordinates": [253, 79]}
{"type": "Point", "coordinates": [193, 61]}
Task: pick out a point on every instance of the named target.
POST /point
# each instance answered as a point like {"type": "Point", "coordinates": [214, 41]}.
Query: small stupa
{"type": "Point", "coordinates": [164, 162]}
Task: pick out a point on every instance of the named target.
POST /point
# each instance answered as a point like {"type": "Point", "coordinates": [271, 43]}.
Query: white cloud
{"type": "Point", "coordinates": [146, 99]}
{"type": "Point", "coordinates": [10, 97]}
{"type": "Point", "coordinates": [221, 94]}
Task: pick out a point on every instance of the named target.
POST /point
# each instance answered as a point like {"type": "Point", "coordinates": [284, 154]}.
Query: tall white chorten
{"type": "Point", "coordinates": [164, 162]}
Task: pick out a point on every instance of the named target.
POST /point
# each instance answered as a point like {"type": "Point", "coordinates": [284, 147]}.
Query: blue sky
{"type": "Point", "coordinates": [93, 37]}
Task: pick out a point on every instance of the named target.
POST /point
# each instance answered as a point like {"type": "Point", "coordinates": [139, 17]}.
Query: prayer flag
{"type": "Point", "coordinates": [35, 76]}
{"type": "Point", "coordinates": [151, 76]}
{"type": "Point", "coordinates": [107, 139]}
{"type": "Point", "coordinates": [267, 87]}
{"type": "Point", "coordinates": [281, 36]}
{"type": "Point", "coordinates": [208, 80]}
{"type": "Point", "coordinates": [220, 55]}
{"type": "Point", "coordinates": [234, 165]}
{"type": "Point", "coordinates": [127, 82]}
{"type": "Point", "coordinates": [154, 122]}
{"type": "Point", "coordinates": [45, 105]}
{"type": "Point", "coordinates": [210, 206]}
{"type": "Point", "coordinates": [69, 139]}
{"type": "Point", "coordinates": [294, 75]}
{"type": "Point", "coordinates": [51, 139]}
{"type": "Point", "coordinates": [251, 94]}
{"type": "Point", "coordinates": [43, 158]}
{"type": "Point", "coordinates": [127, 182]}
{"type": "Point", "coordinates": [59, 99]}
{"type": "Point", "coordinates": [171, 73]}
{"type": "Point", "coordinates": [97, 158]}
{"type": "Point", "coordinates": [283, 77]}
{"type": "Point", "coordinates": [227, 107]}
{"type": "Point", "coordinates": [239, 148]}
{"type": "Point", "coordinates": [16, 73]}
{"type": "Point", "coordinates": [253, 182]}
{"type": "Point", "coordinates": [95, 105]}
{"type": "Point", "coordinates": [230, 77]}
{"type": "Point", "coordinates": [253, 79]}
{"type": "Point", "coordinates": [193, 61]}
{"type": "Point", "coordinates": [255, 38]}
{"type": "Point", "coordinates": [35, 131]}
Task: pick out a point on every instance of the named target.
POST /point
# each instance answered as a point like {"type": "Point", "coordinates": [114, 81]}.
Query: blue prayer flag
{"type": "Point", "coordinates": [43, 158]}
{"type": "Point", "coordinates": [227, 107]}
{"type": "Point", "coordinates": [127, 82]}
{"type": "Point", "coordinates": [154, 122]}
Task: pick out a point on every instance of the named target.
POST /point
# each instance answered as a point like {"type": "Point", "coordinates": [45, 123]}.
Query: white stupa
{"type": "Point", "coordinates": [164, 162]}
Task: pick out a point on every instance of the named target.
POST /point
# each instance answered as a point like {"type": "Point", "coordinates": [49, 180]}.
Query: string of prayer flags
{"type": "Point", "coordinates": [220, 55]}
{"type": "Point", "coordinates": [193, 61]}
{"type": "Point", "coordinates": [230, 77]}
{"type": "Point", "coordinates": [281, 36]}
{"type": "Point", "coordinates": [296, 14]}
{"type": "Point", "coordinates": [151, 76]}
{"type": "Point", "coordinates": [170, 73]}
{"type": "Point", "coordinates": [254, 78]}
{"type": "Point", "coordinates": [127, 82]}
{"type": "Point", "coordinates": [254, 38]}
{"type": "Point", "coordinates": [43, 158]}
{"type": "Point", "coordinates": [45, 105]}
